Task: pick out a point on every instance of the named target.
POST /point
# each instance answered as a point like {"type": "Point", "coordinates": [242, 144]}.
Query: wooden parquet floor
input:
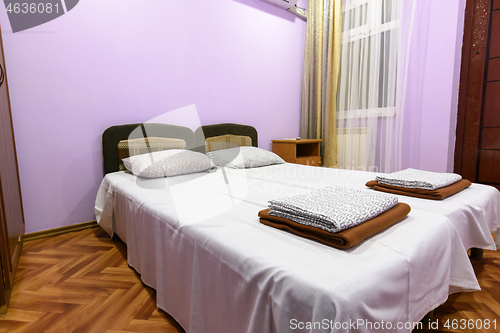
{"type": "Point", "coordinates": [80, 282]}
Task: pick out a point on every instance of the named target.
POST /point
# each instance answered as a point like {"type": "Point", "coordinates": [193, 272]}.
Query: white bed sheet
{"type": "Point", "coordinates": [475, 211]}
{"type": "Point", "coordinates": [198, 242]}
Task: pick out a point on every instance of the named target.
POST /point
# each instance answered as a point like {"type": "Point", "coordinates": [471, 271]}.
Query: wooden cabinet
{"type": "Point", "coordinates": [303, 151]}
{"type": "Point", "coordinates": [11, 209]}
{"type": "Point", "coordinates": [477, 145]}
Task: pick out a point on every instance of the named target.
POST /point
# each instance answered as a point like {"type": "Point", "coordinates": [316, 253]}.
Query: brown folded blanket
{"type": "Point", "coordinates": [345, 238]}
{"type": "Point", "coordinates": [438, 194]}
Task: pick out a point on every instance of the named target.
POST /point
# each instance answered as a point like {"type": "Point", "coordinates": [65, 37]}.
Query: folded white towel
{"type": "Point", "coordinates": [333, 208]}
{"type": "Point", "coordinates": [414, 178]}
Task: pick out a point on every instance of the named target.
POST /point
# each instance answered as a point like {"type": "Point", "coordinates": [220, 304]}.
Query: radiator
{"type": "Point", "coordinates": [353, 147]}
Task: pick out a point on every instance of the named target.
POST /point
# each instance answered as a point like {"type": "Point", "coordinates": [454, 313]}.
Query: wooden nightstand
{"type": "Point", "coordinates": [303, 151]}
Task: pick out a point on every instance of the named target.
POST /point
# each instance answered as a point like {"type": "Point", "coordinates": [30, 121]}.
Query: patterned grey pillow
{"type": "Point", "coordinates": [244, 157]}
{"type": "Point", "coordinates": [168, 163]}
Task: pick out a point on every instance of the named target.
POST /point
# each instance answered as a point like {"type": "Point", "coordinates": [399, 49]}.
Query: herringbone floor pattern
{"type": "Point", "coordinates": [80, 282]}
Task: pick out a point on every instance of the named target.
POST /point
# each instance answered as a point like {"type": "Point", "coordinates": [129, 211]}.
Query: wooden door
{"type": "Point", "coordinates": [11, 210]}
{"type": "Point", "coordinates": [477, 149]}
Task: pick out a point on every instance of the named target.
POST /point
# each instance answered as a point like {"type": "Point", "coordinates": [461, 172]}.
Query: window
{"type": "Point", "coordinates": [368, 63]}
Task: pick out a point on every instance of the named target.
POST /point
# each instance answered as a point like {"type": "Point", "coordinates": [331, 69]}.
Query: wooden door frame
{"type": "Point", "coordinates": [472, 78]}
{"type": "Point", "coordinates": [10, 245]}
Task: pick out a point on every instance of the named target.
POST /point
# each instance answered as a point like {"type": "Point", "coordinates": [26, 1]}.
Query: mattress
{"type": "Point", "coordinates": [197, 240]}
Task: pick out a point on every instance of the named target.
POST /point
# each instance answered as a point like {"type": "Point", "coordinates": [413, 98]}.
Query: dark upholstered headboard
{"type": "Point", "coordinates": [207, 131]}
{"type": "Point", "coordinates": [194, 141]}
{"type": "Point", "coordinates": [113, 135]}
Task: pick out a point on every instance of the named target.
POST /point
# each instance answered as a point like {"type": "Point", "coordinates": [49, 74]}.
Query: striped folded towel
{"type": "Point", "coordinates": [413, 178]}
{"type": "Point", "coordinates": [333, 208]}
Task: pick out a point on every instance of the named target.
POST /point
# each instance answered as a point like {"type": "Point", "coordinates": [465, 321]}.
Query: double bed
{"type": "Point", "coordinates": [197, 240]}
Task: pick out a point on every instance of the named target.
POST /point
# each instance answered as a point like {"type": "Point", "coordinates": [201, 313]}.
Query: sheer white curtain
{"type": "Point", "coordinates": [372, 84]}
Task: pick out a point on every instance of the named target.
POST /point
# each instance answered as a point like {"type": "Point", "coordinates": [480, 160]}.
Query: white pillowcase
{"type": "Point", "coordinates": [168, 163]}
{"type": "Point", "coordinates": [244, 157]}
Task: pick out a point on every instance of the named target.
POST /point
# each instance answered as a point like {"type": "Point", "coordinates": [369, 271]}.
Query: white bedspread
{"type": "Point", "coordinates": [475, 211]}
{"type": "Point", "coordinates": [198, 242]}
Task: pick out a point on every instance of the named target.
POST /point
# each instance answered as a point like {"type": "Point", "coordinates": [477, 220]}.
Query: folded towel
{"type": "Point", "coordinates": [343, 239]}
{"type": "Point", "coordinates": [413, 178]}
{"type": "Point", "coordinates": [332, 208]}
{"type": "Point", "coordinates": [438, 194]}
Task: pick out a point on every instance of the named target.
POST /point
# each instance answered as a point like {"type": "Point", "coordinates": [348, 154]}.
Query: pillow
{"type": "Point", "coordinates": [146, 145]}
{"type": "Point", "coordinates": [244, 157]}
{"type": "Point", "coordinates": [168, 163]}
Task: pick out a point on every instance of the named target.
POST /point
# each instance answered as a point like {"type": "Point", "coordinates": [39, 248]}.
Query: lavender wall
{"type": "Point", "coordinates": [432, 99]}
{"type": "Point", "coordinates": [121, 61]}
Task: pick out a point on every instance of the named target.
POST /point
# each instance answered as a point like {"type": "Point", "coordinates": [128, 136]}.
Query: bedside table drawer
{"type": "Point", "coordinates": [309, 160]}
